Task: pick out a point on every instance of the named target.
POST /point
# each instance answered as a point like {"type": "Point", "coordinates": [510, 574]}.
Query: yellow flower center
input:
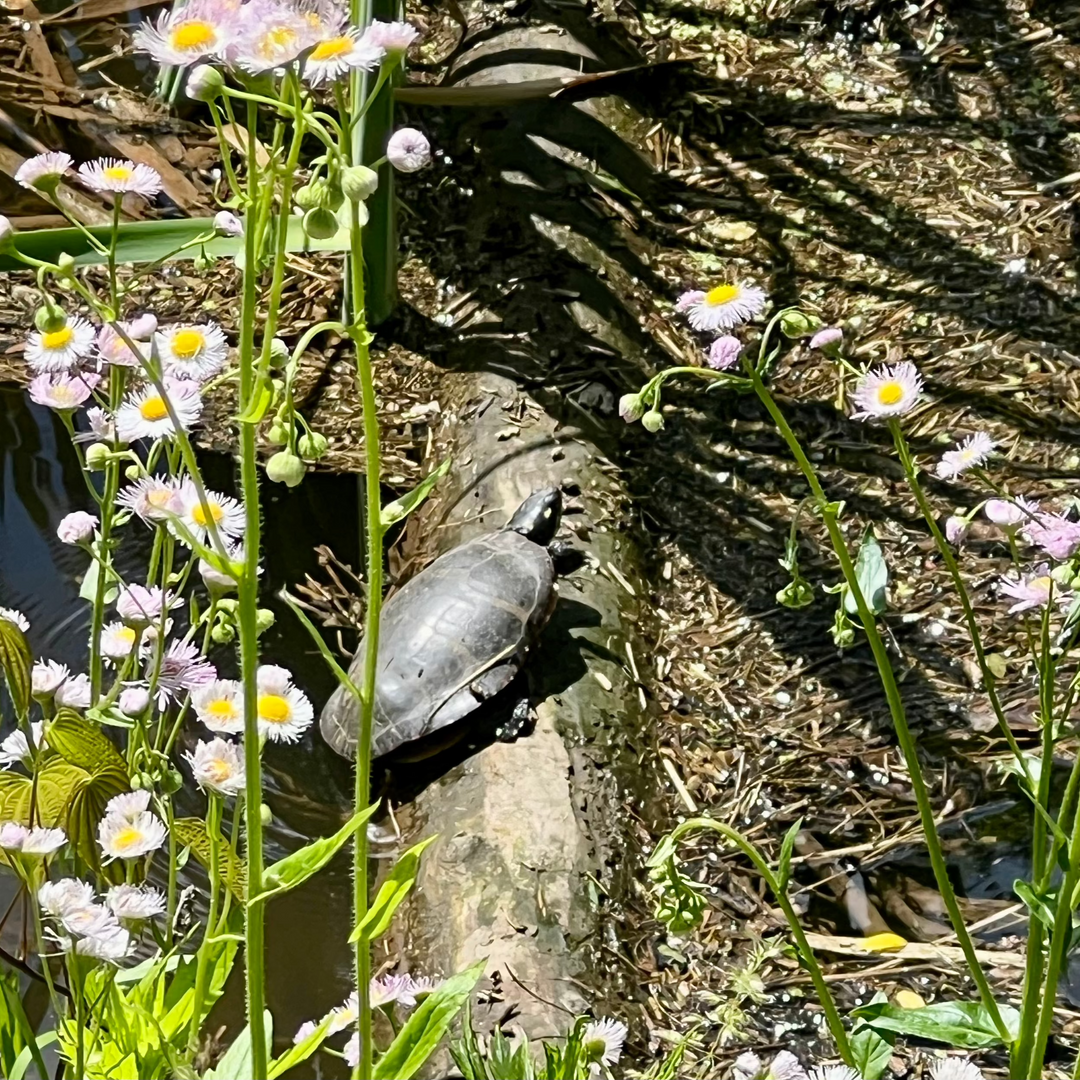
{"type": "Point", "coordinates": [162, 496]}
{"type": "Point", "coordinates": [890, 393]}
{"type": "Point", "coordinates": [222, 708]}
{"type": "Point", "coordinates": [126, 635]}
{"type": "Point", "coordinates": [153, 408]}
{"type": "Point", "coordinates": [274, 709]}
{"type": "Point", "coordinates": [194, 35]}
{"type": "Point", "coordinates": [217, 771]}
{"type": "Point", "coordinates": [63, 395]}
{"type": "Point", "coordinates": [199, 517]}
{"type": "Point", "coordinates": [278, 40]}
{"type": "Point", "coordinates": [118, 172]}
{"type": "Point", "coordinates": [58, 338]}
{"type": "Point", "coordinates": [126, 838]}
{"type": "Point", "coordinates": [1043, 584]}
{"type": "Point", "coordinates": [722, 294]}
{"type": "Point", "coordinates": [332, 48]}
{"type": "Point", "coordinates": [188, 343]}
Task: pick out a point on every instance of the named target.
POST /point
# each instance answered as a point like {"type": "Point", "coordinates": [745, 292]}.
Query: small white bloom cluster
{"type": "Point", "coordinates": [786, 1066]}
{"type": "Point", "coordinates": [101, 931]}
{"type": "Point", "coordinates": [129, 830]}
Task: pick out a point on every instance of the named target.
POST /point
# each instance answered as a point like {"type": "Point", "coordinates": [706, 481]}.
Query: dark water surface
{"type": "Point", "coordinates": [308, 788]}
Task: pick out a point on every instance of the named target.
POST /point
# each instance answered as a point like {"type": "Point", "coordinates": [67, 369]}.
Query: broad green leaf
{"type": "Point", "coordinates": [427, 1025]}
{"type": "Point", "coordinates": [152, 241]}
{"type": "Point", "coordinates": [22, 1062]}
{"type": "Point", "coordinates": [872, 574]}
{"type": "Point", "coordinates": [872, 1050]}
{"type": "Point", "coordinates": [88, 588]}
{"type": "Point", "coordinates": [964, 1024]}
{"type": "Point", "coordinates": [16, 791]}
{"type": "Point", "coordinates": [236, 1064]}
{"type": "Point", "coordinates": [391, 894]}
{"type": "Point", "coordinates": [302, 1050]}
{"type": "Point", "coordinates": [81, 743]}
{"type": "Point", "coordinates": [298, 866]}
{"type": "Point", "coordinates": [191, 833]}
{"type": "Point", "coordinates": [401, 508]}
{"type": "Point", "coordinates": [16, 661]}
{"type": "Point", "coordinates": [1042, 907]}
{"type": "Point", "coordinates": [783, 868]}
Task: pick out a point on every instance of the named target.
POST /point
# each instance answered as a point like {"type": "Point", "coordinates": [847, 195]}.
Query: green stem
{"type": "Point", "coordinates": [896, 705]}
{"type": "Point", "coordinates": [114, 234]}
{"type": "Point", "coordinates": [202, 969]}
{"type": "Point", "coordinates": [248, 593]}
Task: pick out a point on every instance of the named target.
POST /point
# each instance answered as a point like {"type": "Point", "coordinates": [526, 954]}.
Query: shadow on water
{"type": "Point", "coordinates": [309, 965]}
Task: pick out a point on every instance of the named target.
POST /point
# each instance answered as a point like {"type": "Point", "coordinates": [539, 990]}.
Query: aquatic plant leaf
{"type": "Point", "coordinates": [391, 894]}
{"type": "Point", "coordinates": [236, 1064]}
{"type": "Point", "coordinates": [872, 574]}
{"type": "Point", "coordinates": [427, 1025]}
{"type": "Point", "coordinates": [964, 1024]}
{"type": "Point", "coordinates": [191, 833]}
{"type": "Point", "coordinates": [16, 661]}
{"type": "Point", "coordinates": [81, 743]}
{"type": "Point", "coordinates": [399, 509]}
{"type": "Point", "coordinates": [299, 865]}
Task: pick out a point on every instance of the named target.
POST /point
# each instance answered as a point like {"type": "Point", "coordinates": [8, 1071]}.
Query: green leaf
{"type": "Point", "coordinates": [88, 588]}
{"type": "Point", "coordinates": [16, 792]}
{"type": "Point", "coordinates": [298, 866]}
{"type": "Point", "coordinates": [1041, 906]}
{"type": "Point", "coordinates": [22, 1062]}
{"type": "Point", "coordinates": [80, 743]}
{"type": "Point", "coordinates": [191, 833]}
{"type": "Point", "coordinates": [872, 574]}
{"type": "Point", "coordinates": [403, 507]}
{"type": "Point", "coordinates": [236, 1064]}
{"type": "Point", "coordinates": [261, 400]}
{"type": "Point", "coordinates": [16, 661]}
{"type": "Point", "coordinates": [964, 1024]}
{"type": "Point", "coordinates": [303, 1049]}
{"type": "Point", "coordinates": [152, 241]}
{"type": "Point", "coordinates": [391, 894]}
{"type": "Point", "coordinates": [427, 1025]}
{"type": "Point", "coordinates": [783, 867]}
{"type": "Point", "coordinates": [871, 1049]}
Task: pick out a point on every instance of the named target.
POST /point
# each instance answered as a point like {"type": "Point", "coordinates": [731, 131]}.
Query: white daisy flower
{"type": "Point", "coordinates": [218, 766]}
{"type": "Point", "coordinates": [144, 414]}
{"type": "Point", "coordinates": [182, 669]}
{"type": "Point", "coordinates": [276, 36]}
{"type": "Point", "coordinates": [393, 38]}
{"type": "Point", "coordinates": [603, 1041]}
{"type": "Point", "coordinates": [284, 711]}
{"type": "Point", "coordinates": [213, 578]}
{"type": "Point", "coordinates": [43, 171]}
{"type": "Point", "coordinates": [45, 677]}
{"type": "Point", "coordinates": [192, 351]}
{"type": "Point", "coordinates": [92, 918]}
{"type": "Point", "coordinates": [130, 837]}
{"type": "Point", "coordinates": [113, 944]}
{"type": "Point", "coordinates": [16, 618]}
{"type": "Point", "coordinates": [74, 692]}
{"type": "Point", "coordinates": [60, 350]}
{"type": "Point", "coordinates": [101, 428]}
{"type": "Point", "coordinates": [887, 391]}
{"type": "Point", "coordinates": [722, 307]}
{"type": "Point", "coordinates": [41, 841]}
{"type": "Point", "coordinates": [139, 605]}
{"type": "Point", "coordinates": [135, 902]}
{"type": "Point", "coordinates": [186, 34]}
{"type": "Point", "coordinates": [386, 991]}
{"type": "Point", "coordinates": [834, 1072]}
{"type": "Point", "coordinates": [220, 706]}
{"type": "Point", "coordinates": [347, 1014]}
{"type": "Point", "coordinates": [128, 804]}
{"type": "Point", "coordinates": [112, 349]}
{"type": "Point", "coordinates": [955, 1068]}
{"type": "Point", "coordinates": [152, 499]}
{"type": "Point", "coordinates": [117, 641]}
{"type": "Point", "coordinates": [973, 451]}
{"type": "Point", "coordinates": [335, 56]}
{"type": "Point", "coordinates": [67, 894]}
{"type": "Point", "coordinates": [12, 835]}
{"type": "Point", "coordinates": [15, 750]}
{"type": "Point", "coordinates": [119, 177]}
{"type": "Point", "coordinates": [351, 1052]}
{"type": "Point", "coordinates": [308, 1027]}
{"type": "Point", "coordinates": [225, 512]}
{"type": "Point", "coordinates": [62, 391]}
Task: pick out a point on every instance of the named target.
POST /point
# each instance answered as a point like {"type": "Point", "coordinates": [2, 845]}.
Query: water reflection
{"type": "Point", "coordinates": [308, 789]}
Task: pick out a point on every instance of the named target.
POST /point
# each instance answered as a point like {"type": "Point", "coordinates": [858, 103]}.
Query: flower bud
{"type": "Point", "coordinates": [285, 468]}
{"type": "Point", "coordinates": [312, 447]}
{"type": "Point", "coordinates": [314, 194]}
{"type": "Point", "coordinates": [228, 224]}
{"type": "Point", "coordinates": [320, 223]}
{"type": "Point", "coordinates": [7, 234]}
{"type": "Point", "coordinates": [956, 528]}
{"type": "Point", "coordinates": [278, 434]}
{"type": "Point", "coordinates": [631, 407]}
{"type": "Point", "coordinates": [133, 472]}
{"type": "Point", "coordinates": [76, 527]}
{"type": "Point", "coordinates": [278, 351]}
{"type": "Point", "coordinates": [65, 264]}
{"type": "Point", "coordinates": [97, 456]}
{"type": "Point", "coordinates": [222, 634]}
{"type": "Point", "coordinates": [796, 594]}
{"type": "Point", "coordinates": [828, 340]}
{"type": "Point", "coordinates": [134, 701]}
{"type": "Point", "coordinates": [358, 182]}
{"type": "Point", "coordinates": [408, 150]}
{"type": "Point", "coordinates": [204, 83]}
{"type": "Point", "coordinates": [1062, 574]}
{"type": "Point", "coordinates": [172, 781]}
{"type": "Point", "coordinates": [266, 815]}
{"type": "Point", "coordinates": [136, 780]}
{"type": "Point", "coordinates": [142, 327]}
{"type": "Point", "coordinates": [49, 319]}
{"type": "Point", "coordinates": [652, 421]}
{"type": "Point", "coordinates": [264, 619]}
{"type": "Point", "coordinates": [201, 261]}
{"type": "Point", "coordinates": [796, 324]}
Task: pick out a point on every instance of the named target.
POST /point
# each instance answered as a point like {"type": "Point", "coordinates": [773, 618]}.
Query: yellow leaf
{"type": "Point", "coordinates": [884, 942]}
{"type": "Point", "coordinates": [908, 999]}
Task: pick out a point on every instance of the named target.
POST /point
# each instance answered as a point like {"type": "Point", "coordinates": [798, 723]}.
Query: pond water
{"type": "Point", "coordinates": [308, 787]}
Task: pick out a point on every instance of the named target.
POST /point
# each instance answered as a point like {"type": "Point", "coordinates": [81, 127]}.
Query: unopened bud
{"type": "Point", "coordinates": [134, 701]}
{"type": "Point", "coordinates": [50, 319]}
{"type": "Point", "coordinates": [264, 619]}
{"type": "Point", "coordinates": [320, 223]}
{"type": "Point", "coordinates": [285, 468]}
{"type": "Point", "coordinates": [278, 434]}
{"type": "Point", "coordinates": [65, 264]}
{"type": "Point", "coordinates": [97, 456]}
{"type": "Point", "coordinates": [358, 182]}
{"type": "Point", "coordinates": [266, 815]}
{"type": "Point", "coordinates": [7, 234]}
{"type": "Point", "coordinates": [652, 421]}
{"type": "Point", "coordinates": [631, 407]}
{"type": "Point", "coordinates": [133, 472]}
{"type": "Point", "coordinates": [313, 195]}
{"type": "Point", "coordinates": [228, 224]}
{"type": "Point", "coordinates": [204, 83]}
{"type": "Point", "coordinates": [313, 446]}
{"type": "Point", "coordinates": [796, 324]}
{"type": "Point", "coordinates": [222, 634]}
{"type": "Point", "coordinates": [278, 351]}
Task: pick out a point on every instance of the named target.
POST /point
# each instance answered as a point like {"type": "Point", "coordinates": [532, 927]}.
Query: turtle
{"type": "Point", "coordinates": [454, 636]}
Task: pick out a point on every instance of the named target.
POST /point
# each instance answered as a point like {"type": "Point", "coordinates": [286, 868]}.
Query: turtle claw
{"type": "Point", "coordinates": [520, 719]}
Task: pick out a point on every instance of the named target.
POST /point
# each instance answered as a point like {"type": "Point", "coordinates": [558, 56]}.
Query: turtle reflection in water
{"type": "Point", "coordinates": [454, 636]}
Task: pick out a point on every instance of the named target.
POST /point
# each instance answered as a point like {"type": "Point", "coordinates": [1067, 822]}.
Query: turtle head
{"type": "Point", "coordinates": [538, 516]}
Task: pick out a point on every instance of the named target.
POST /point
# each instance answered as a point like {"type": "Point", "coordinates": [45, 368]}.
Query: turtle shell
{"type": "Point", "coordinates": [448, 639]}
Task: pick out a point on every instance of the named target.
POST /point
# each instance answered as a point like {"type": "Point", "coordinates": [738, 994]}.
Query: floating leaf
{"type": "Point", "coordinates": [16, 661]}
{"type": "Point", "coordinates": [191, 833]}
{"type": "Point", "coordinates": [391, 894]}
